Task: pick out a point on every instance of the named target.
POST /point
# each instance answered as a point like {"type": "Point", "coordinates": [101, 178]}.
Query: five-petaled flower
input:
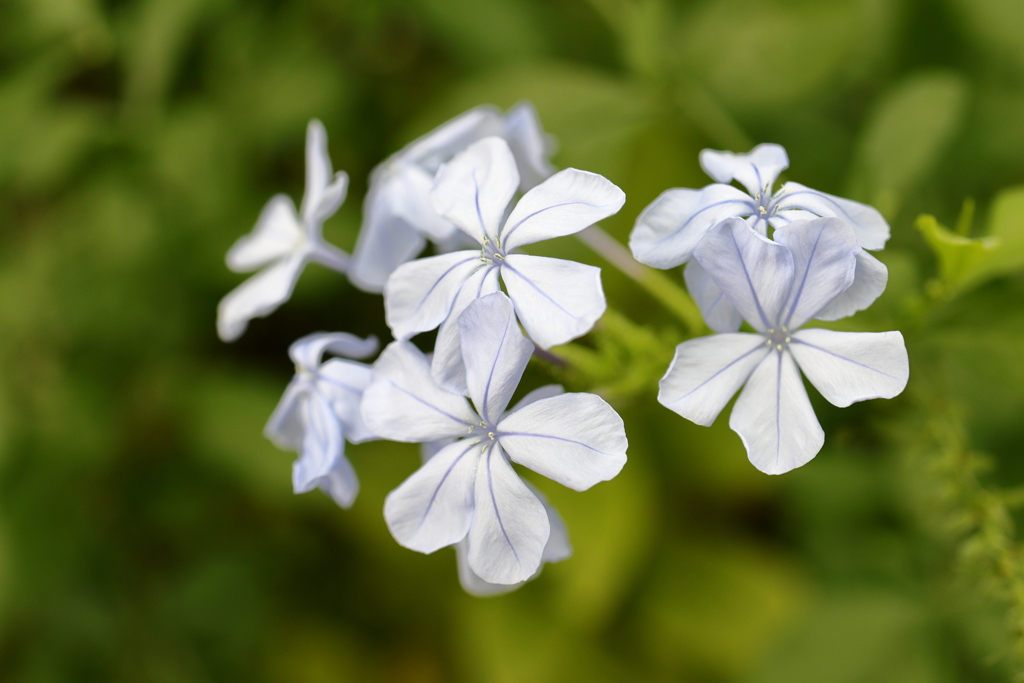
{"type": "Point", "coordinates": [469, 490]}
{"type": "Point", "coordinates": [777, 287]}
{"type": "Point", "coordinates": [556, 300]}
{"type": "Point", "coordinates": [668, 231]}
{"type": "Point", "coordinates": [320, 411]}
{"type": "Point", "coordinates": [398, 217]}
{"type": "Point", "coordinates": [283, 241]}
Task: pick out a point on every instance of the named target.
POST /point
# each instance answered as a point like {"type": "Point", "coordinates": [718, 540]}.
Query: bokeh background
{"type": "Point", "coordinates": [147, 529]}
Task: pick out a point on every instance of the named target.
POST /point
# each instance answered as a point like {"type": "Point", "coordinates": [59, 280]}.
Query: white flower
{"type": "Point", "coordinates": [320, 410]}
{"type": "Point", "coordinates": [777, 287]}
{"type": "Point", "coordinates": [469, 490]}
{"type": "Point", "coordinates": [671, 227]}
{"type": "Point", "coordinates": [283, 241]}
{"type": "Point", "coordinates": [555, 550]}
{"type": "Point", "coordinates": [555, 300]}
{"type": "Point", "coordinates": [398, 217]}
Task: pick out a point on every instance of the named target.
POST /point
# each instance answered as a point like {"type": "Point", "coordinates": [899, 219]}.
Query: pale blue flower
{"type": "Point", "coordinates": [284, 241]}
{"type": "Point", "coordinates": [556, 300]}
{"type": "Point", "coordinates": [320, 411]}
{"type": "Point", "coordinates": [398, 217]}
{"type": "Point", "coordinates": [468, 490]}
{"type": "Point", "coordinates": [777, 287]}
{"type": "Point", "coordinates": [670, 228]}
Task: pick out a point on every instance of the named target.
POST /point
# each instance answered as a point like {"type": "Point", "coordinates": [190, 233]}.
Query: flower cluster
{"type": "Point", "coordinates": [814, 266]}
{"type": "Point", "coordinates": [494, 306]}
{"type": "Point", "coordinates": [454, 187]}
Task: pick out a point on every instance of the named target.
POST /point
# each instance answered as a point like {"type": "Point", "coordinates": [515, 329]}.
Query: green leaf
{"type": "Point", "coordinates": [959, 257]}
{"type": "Point", "coordinates": [906, 135]}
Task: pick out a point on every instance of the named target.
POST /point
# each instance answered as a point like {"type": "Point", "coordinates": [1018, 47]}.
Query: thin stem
{"type": "Point", "coordinates": [656, 283]}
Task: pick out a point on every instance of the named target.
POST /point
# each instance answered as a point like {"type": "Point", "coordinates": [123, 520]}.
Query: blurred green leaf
{"type": "Point", "coordinates": [960, 258]}
{"type": "Point", "coordinates": [905, 136]}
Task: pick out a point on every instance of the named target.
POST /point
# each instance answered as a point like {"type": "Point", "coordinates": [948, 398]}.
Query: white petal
{"type": "Point", "coordinates": [565, 203]}
{"type": "Point", "coordinates": [495, 353]}
{"type": "Point", "coordinates": [447, 367]}
{"type": "Point", "coordinates": [342, 383]}
{"type": "Point", "coordinates": [780, 218]}
{"type": "Point", "coordinates": [429, 449]}
{"type": "Point", "coordinates": [717, 309]}
{"type": "Point", "coordinates": [546, 391]}
{"type": "Point", "coordinates": [753, 272]}
{"type": "Point", "coordinates": [555, 550]}
{"type": "Point", "coordinates": [869, 280]}
{"type": "Point", "coordinates": [407, 193]}
{"type": "Point", "coordinates": [774, 418]}
{"type": "Point", "coordinates": [756, 170]}
{"type": "Point", "coordinates": [386, 241]}
{"type": "Point", "coordinates": [669, 229]}
{"type": "Point", "coordinates": [322, 463]}
{"type": "Point", "coordinates": [510, 526]}
{"type": "Point", "coordinates": [324, 194]}
{"type": "Point", "coordinates": [847, 367]}
{"type": "Point", "coordinates": [474, 188]}
{"type": "Point", "coordinates": [824, 260]}
{"type": "Point", "coordinates": [278, 233]}
{"type": "Point", "coordinates": [868, 224]}
{"type": "Point", "coordinates": [286, 426]}
{"type": "Point", "coordinates": [418, 296]}
{"type": "Point", "coordinates": [529, 144]}
{"type": "Point", "coordinates": [451, 137]}
{"type": "Point", "coordinates": [473, 584]}
{"type": "Point", "coordinates": [403, 403]}
{"type": "Point", "coordinates": [576, 439]}
{"type": "Point", "coordinates": [556, 300]}
{"type": "Point", "coordinates": [307, 351]}
{"type": "Point", "coordinates": [706, 372]}
{"type": "Point", "coordinates": [434, 507]}
{"type": "Point", "coordinates": [258, 297]}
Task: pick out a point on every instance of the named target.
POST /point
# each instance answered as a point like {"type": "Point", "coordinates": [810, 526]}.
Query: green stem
{"type": "Point", "coordinates": [655, 282]}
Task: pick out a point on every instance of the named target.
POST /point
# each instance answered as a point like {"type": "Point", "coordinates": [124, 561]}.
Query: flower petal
{"type": "Point", "coordinates": [824, 259]}
{"type": "Point", "coordinates": [576, 439]}
{"type": "Point", "coordinates": [474, 188]}
{"type": "Point", "coordinates": [510, 525]}
{"type": "Point", "coordinates": [529, 144]}
{"type": "Point", "coordinates": [717, 309]}
{"type": "Point", "coordinates": [869, 280]}
{"type": "Point", "coordinates": [756, 170]}
{"type": "Point", "coordinates": [307, 351]}
{"type": "Point", "coordinates": [495, 353]}
{"type": "Point", "coordinates": [419, 295]}
{"type": "Point", "coordinates": [774, 418]}
{"type": "Point", "coordinates": [433, 508]}
{"type": "Point", "coordinates": [286, 426]}
{"type": "Point", "coordinates": [555, 550]}
{"type": "Point", "coordinates": [324, 194]}
{"type": "Point", "coordinates": [451, 137]}
{"type": "Point", "coordinates": [556, 300]}
{"type": "Point", "coordinates": [407, 193]}
{"type": "Point", "coordinates": [565, 203]}
{"type": "Point", "coordinates": [258, 297]}
{"type": "Point", "coordinates": [386, 241]}
{"type": "Point", "coordinates": [753, 272]}
{"type": "Point", "coordinates": [342, 383]}
{"type": "Point", "coordinates": [546, 391]}
{"type": "Point", "coordinates": [403, 403]}
{"type": "Point", "coordinates": [868, 224]}
{"type": "Point", "coordinates": [706, 372]}
{"type": "Point", "coordinates": [847, 367]}
{"type": "Point", "coordinates": [669, 229]}
{"type": "Point", "coordinates": [278, 233]}
{"type": "Point", "coordinates": [447, 366]}
{"type": "Point", "coordinates": [322, 463]}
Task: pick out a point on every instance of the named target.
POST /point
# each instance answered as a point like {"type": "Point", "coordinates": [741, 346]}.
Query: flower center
{"type": "Point", "coordinates": [486, 433]}
{"type": "Point", "coordinates": [765, 202]}
{"type": "Point", "coordinates": [492, 252]}
{"type": "Point", "coordinates": [778, 338]}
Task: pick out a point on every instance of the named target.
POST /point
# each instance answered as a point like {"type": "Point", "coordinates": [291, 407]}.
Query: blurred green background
{"type": "Point", "coordinates": [148, 531]}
